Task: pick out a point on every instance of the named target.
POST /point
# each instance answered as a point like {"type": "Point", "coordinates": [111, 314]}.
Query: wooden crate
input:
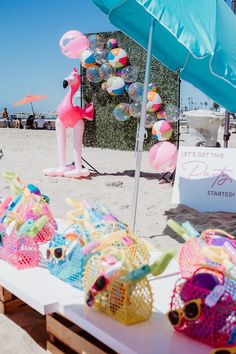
{"type": "Point", "coordinates": [67, 338]}
{"type": "Point", "coordinates": [8, 302]}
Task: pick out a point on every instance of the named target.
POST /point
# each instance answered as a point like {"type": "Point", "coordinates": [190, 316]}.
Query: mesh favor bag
{"type": "Point", "coordinates": [126, 301]}
{"type": "Point", "coordinates": [20, 251]}
{"type": "Point", "coordinates": [215, 322]}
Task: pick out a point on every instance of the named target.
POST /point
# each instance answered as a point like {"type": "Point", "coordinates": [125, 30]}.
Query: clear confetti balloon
{"type": "Point", "coordinates": [105, 71]}
{"type": "Point", "coordinates": [135, 109]}
{"type": "Point", "coordinates": [172, 112]}
{"type": "Point", "coordinates": [96, 42]}
{"type": "Point", "coordinates": [92, 74]}
{"type": "Point", "coordinates": [101, 56]}
{"type": "Point", "coordinates": [150, 120]}
{"type": "Point", "coordinates": [136, 91]}
{"type": "Point", "coordinates": [121, 112]}
{"type": "Point", "coordinates": [129, 74]}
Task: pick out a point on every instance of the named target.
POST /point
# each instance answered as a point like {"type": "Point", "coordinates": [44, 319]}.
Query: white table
{"type": "Point", "coordinates": [36, 287]}
{"type": "Point", "coordinates": [47, 294]}
{"type": "Point", "coordinates": [155, 336]}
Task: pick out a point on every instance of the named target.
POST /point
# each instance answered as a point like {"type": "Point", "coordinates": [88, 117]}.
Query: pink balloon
{"type": "Point", "coordinates": [163, 157]}
{"type": "Point", "coordinates": [73, 43]}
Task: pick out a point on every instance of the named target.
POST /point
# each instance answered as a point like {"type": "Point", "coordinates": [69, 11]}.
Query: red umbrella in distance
{"type": "Point", "coordinates": [30, 99]}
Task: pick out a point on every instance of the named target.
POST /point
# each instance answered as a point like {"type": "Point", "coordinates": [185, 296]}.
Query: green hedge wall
{"type": "Point", "coordinates": [105, 131]}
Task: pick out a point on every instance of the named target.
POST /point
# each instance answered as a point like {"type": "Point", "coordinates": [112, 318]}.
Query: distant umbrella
{"type": "Point", "coordinates": [30, 99]}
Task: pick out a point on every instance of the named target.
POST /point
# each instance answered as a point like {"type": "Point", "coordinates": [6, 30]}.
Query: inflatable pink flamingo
{"type": "Point", "coordinates": [70, 116]}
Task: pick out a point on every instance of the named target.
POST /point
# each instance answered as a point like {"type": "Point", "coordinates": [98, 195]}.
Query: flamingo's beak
{"type": "Point", "coordinates": [65, 84]}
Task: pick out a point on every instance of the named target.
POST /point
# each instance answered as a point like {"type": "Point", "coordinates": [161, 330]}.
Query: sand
{"type": "Point", "coordinates": [29, 152]}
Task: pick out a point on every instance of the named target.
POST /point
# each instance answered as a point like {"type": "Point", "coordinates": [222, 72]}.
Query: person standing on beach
{"type": "Point", "coordinates": [5, 115]}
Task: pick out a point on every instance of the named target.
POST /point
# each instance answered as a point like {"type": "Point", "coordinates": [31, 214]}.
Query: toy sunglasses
{"type": "Point", "coordinates": [229, 350]}
{"type": "Point", "coordinates": [191, 311]}
{"type": "Point", "coordinates": [57, 253]}
{"type": "Point", "coordinates": [100, 285]}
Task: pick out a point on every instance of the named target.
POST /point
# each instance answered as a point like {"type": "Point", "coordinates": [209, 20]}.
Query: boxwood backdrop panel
{"type": "Point", "coordinates": [105, 131]}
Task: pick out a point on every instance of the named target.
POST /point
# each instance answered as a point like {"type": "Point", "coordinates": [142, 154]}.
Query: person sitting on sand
{"type": "Point", "coordinates": [41, 123]}
{"type": "Point", "coordinates": [6, 117]}
{"type": "Point", "coordinates": [30, 122]}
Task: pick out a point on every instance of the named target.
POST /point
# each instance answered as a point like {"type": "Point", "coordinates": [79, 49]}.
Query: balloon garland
{"type": "Point", "coordinates": [108, 64]}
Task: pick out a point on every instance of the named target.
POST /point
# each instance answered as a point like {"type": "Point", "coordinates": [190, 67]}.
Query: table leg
{"type": "Point", "coordinates": [8, 302]}
{"type": "Point", "coordinates": [66, 337]}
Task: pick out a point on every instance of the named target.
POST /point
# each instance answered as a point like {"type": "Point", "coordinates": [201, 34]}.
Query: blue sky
{"type": "Point", "coordinates": [31, 61]}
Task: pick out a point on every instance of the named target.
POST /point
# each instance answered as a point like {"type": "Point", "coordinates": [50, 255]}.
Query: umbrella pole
{"type": "Point", "coordinates": [32, 108]}
{"type": "Point", "coordinates": [141, 126]}
{"type": "Point", "coordinates": [226, 129]}
{"type": "Point", "coordinates": [227, 114]}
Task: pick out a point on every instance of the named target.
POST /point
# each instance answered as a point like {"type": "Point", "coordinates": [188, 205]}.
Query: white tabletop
{"type": "Point", "coordinates": [36, 287]}
{"type": "Point", "coordinates": [47, 294]}
{"type": "Point", "coordinates": [155, 336]}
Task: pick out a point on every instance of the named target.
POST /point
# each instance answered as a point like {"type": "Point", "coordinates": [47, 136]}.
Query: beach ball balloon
{"type": "Point", "coordinates": [154, 101]}
{"type": "Point", "coordinates": [101, 56]}
{"type": "Point", "coordinates": [96, 42]}
{"type": "Point", "coordinates": [73, 43]}
{"type": "Point", "coordinates": [87, 58]}
{"type": "Point", "coordinates": [161, 114]}
{"type": "Point", "coordinates": [92, 74]}
{"type": "Point", "coordinates": [162, 130]}
{"type": "Point", "coordinates": [135, 109]}
{"type": "Point", "coordinates": [117, 57]}
{"type": "Point", "coordinates": [105, 71]}
{"type": "Point", "coordinates": [121, 112]}
{"type": "Point", "coordinates": [112, 43]}
{"type": "Point", "coordinates": [115, 86]}
{"type": "Point", "coordinates": [136, 91]}
{"type": "Point", "coordinates": [152, 87]}
{"type": "Point", "coordinates": [129, 74]}
{"type": "Point", "coordinates": [163, 157]}
{"type": "Point", "coordinates": [150, 120]}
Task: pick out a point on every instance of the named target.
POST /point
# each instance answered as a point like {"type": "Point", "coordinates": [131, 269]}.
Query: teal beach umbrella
{"type": "Point", "coordinates": [194, 37]}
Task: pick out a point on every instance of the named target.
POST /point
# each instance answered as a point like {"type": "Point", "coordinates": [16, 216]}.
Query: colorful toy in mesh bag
{"type": "Point", "coordinates": [69, 252]}
{"type": "Point", "coordinates": [115, 286]}
{"type": "Point", "coordinates": [214, 248]}
{"type": "Point", "coordinates": [20, 249]}
{"type": "Point", "coordinates": [202, 308]}
{"type": "Point", "coordinates": [96, 219]}
{"type": "Point", "coordinates": [27, 205]}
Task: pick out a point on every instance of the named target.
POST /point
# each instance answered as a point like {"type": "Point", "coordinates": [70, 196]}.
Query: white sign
{"type": "Point", "coordinates": [206, 179]}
